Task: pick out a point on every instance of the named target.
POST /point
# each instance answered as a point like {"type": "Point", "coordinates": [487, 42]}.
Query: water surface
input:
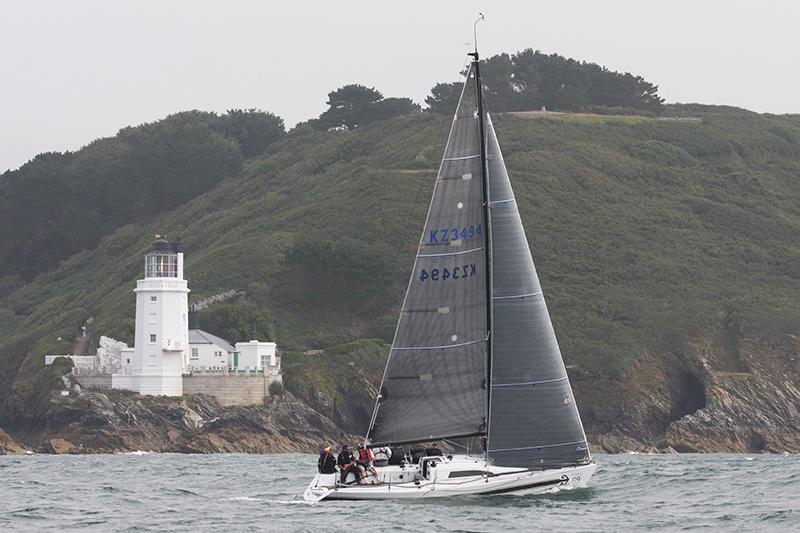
{"type": "Point", "coordinates": [233, 492]}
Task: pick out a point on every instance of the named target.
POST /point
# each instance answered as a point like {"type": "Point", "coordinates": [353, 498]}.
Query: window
{"type": "Point", "coordinates": [154, 298]}
{"type": "Point", "coordinates": [194, 353]}
{"type": "Point", "coordinates": [161, 265]}
{"type": "Point", "coordinates": [152, 337]}
{"type": "Point", "coordinates": [129, 361]}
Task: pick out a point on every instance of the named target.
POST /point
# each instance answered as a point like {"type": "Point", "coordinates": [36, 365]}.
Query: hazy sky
{"type": "Point", "coordinates": [72, 71]}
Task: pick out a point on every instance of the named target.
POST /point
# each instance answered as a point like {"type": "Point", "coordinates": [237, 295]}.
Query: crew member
{"type": "Point", "coordinates": [347, 464]}
{"type": "Point", "coordinates": [327, 462]}
{"type": "Point", "coordinates": [365, 459]}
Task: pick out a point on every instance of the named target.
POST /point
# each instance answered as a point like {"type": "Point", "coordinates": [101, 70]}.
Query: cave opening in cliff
{"type": "Point", "coordinates": [690, 397]}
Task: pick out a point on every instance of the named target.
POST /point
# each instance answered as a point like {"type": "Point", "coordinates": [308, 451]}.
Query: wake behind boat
{"type": "Point", "coordinates": [474, 314]}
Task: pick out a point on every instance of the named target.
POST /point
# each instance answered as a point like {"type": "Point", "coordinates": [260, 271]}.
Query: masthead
{"type": "Point", "coordinates": [475, 36]}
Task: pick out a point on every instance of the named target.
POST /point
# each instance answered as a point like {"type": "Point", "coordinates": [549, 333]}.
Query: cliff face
{"type": "Point", "coordinates": [710, 400]}
{"type": "Point", "coordinates": [117, 421]}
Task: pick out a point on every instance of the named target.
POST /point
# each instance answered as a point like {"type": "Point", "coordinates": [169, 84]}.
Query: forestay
{"type": "Point", "coordinates": [534, 422]}
{"type": "Point", "coordinates": [434, 385]}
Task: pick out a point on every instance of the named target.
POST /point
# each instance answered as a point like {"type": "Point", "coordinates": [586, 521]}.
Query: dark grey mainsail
{"type": "Point", "coordinates": [534, 422]}
{"type": "Point", "coordinates": [434, 385]}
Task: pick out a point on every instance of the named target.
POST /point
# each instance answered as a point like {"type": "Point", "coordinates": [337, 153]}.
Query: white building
{"type": "Point", "coordinates": [255, 355]}
{"type": "Point", "coordinates": [161, 348]}
{"type": "Point", "coordinates": [209, 352]}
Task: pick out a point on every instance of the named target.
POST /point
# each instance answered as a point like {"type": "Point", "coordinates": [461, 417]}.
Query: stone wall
{"type": "Point", "coordinates": [229, 389]}
{"type": "Point", "coordinates": [92, 380]}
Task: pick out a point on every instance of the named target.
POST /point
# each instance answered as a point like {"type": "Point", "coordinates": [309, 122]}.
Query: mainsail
{"type": "Point", "coordinates": [443, 355]}
{"type": "Point", "coordinates": [434, 385]}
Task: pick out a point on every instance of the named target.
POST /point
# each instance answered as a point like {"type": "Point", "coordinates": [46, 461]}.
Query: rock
{"type": "Point", "coordinates": [8, 445]}
{"type": "Point", "coordinates": [119, 421]}
{"type": "Point", "coordinates": [190, 418]}
{"type": "Point", "coordinates": [109, 355]}
{"type": "Point", "coordinates": [61, 446]}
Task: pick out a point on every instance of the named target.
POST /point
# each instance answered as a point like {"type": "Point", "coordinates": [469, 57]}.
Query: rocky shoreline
{"type": "Point", "coordinates": [117, 422]}
{"type": "Point", "coordinates": [745, 400]}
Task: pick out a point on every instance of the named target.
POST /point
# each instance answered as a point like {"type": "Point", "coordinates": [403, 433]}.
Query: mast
{"type": "Point", "coordinates": [488, 248]}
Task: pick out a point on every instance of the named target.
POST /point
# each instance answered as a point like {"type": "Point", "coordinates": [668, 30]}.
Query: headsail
{"type": "Point", "coordinates": [434, 385]}
{"type": "Point", "coordinates": [534, 422]}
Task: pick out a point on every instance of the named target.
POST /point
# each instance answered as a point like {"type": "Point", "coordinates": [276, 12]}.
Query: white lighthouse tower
{"type": "Point", "coordinates": [160, 353]}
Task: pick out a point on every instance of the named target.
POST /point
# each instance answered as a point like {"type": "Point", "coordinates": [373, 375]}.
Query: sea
{"type": "Point", "coordinates": [234, 492]}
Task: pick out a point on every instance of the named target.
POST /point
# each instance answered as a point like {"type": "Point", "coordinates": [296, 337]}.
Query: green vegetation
{"type": "Point", "coordinates": [646, 233]}
{"type": "Point", "coordinates": [354, 105]}
{"type": "Point", "coordinates": [59, 204]}
{"type": "Point", "coordinates": [531, 80]}
{"type": "Point", "coordinates": [276, 388]}
{"type": "Point", "coordinates": [238, 322]}
{"type": "Point", "coordinates": [339, 381]}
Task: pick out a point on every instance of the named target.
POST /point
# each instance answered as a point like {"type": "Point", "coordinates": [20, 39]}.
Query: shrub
{"type": "Point", "coordinates": [276, 388]}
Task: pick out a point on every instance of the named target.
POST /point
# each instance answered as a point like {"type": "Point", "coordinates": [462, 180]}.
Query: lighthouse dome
{"type": "Point", "coordinates": [162, 246]}
{"type": "Point", "coordinates": [162, 260]}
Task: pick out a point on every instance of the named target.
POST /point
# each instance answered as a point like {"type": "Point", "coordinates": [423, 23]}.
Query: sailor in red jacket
{"type": "Point", "coordinates": [365, 460]}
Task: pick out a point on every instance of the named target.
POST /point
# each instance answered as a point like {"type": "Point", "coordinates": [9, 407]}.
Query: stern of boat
{"type": "Point", "coordinates": [320, 486]}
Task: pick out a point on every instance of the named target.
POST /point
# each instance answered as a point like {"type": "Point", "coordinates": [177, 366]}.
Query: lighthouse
{"type": "Point", "coordinates": [160, 354]}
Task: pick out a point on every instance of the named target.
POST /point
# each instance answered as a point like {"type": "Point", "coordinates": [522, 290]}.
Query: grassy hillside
{"type": "Point", "coordinates": [646, 233]}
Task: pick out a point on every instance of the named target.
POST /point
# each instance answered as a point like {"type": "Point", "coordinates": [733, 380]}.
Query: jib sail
{"type": "Point", "coordinates": [534, 422]}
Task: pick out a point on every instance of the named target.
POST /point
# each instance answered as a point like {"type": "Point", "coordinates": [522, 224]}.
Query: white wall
{"type": "Point", "coordinates": [253, 353]}
{"type": "Point", "coordinates": [206, 358]}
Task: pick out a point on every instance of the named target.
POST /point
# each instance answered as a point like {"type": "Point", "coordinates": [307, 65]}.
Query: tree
{"type": "Point", "coordinates": [253, 129]}
{"type": "Point", "coordinates": [392, 107]}
{"type": "Point", "coordinates": [349, 106]}
{"type": "Point", "coordinates": [530, 79]}
{"type": "Point", "coordinates": [355, 105]}
{"type": "Point", "coordinates": [444, 98]}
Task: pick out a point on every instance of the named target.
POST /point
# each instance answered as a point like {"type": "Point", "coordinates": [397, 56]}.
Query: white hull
{"type": "Point", "coordinates": [452, 476]}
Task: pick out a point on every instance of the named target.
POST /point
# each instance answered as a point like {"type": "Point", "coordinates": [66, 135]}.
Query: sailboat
{"type": "Point", "coordinates": [475, 361]}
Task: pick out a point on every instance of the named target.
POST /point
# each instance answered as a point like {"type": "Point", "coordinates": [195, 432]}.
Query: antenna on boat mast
{"type": "Point", "coordinates": [475, 32]}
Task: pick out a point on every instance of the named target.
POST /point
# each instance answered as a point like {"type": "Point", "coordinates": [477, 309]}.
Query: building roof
{"type": "Point", "coordinates": [198, 336]}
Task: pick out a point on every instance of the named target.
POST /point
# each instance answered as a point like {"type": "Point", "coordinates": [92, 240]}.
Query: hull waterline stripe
{"type": "Point", "coordinates": [443, 347]}
{"type": "Point", "coordinates": [528, 383]}
{"type": "Point", "coordinates": [516, 296]}
{"type": "Point", "coordinates": [536, 447]}
{"type": "Point", "coordinates": [461, 158]}
{"type": "Point", "coordinates": [451, 253]}
{"type": "Point", "coordinates": [525, 487]}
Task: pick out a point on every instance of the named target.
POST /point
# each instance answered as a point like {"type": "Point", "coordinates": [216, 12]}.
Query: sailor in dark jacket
{"type": "Point", "coordinates": [327, 462]}
{"type": "Point", "coordinates": [347, 464]}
